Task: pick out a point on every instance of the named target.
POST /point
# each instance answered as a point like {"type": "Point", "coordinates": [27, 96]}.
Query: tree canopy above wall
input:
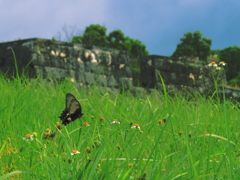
{"type": "Point", "coordinates": [95, 34]}
{"type": "Point", "coordinates": [193, 45]}
{"type": "Point", "coordinates": [232, 56]}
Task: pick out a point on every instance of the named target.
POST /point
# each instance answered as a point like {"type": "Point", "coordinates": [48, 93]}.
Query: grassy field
{"type": "Point", "coordinates": [158, 137]}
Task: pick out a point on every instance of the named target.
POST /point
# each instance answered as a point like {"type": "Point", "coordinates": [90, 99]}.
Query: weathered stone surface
{"type": "Point", "coordinates": [111, 82]}
{"type": "Point", "coordinates": [104, 67]}
{"type": "Point", "coordinates": [52, 72]}
{"type": "Point", "coordinates": [48, 59]}
{"type": "Point", "coordinates": [101, 80]}
{"type": "Point", "coordinates": [230, 92]}
{"type": "Point", "coordinates": [178, 75]}
{"type": "Point", "coordinates": [139, 91]}
{"type": "Point", "coordinates": [80, 77]}
{"type": "Point", "coordinates": [126, 83]}
{"type": "Point", "coordinates": [89, 78]}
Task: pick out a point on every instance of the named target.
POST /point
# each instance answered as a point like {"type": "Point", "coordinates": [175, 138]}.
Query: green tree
{"type": "Point", "coordinates": [214, 56]}
{"type": "Point", "coordinates": [116, 39]}
{"type": "Point", "coordinates": [138, 48]}
{"type": "Point", "coordinates": [94, 34]}
{"type": "Point", "coordinates": [77, 39]}
{"type": "Point", "coordinates": [193, 45]}
{"type": "Point", "coordinates": [235, 81]}
{"type": "Point", "coordinates": [231, 55]}
{"type": "Point", "coordinates": [54, 39]}
{"type": "Point", "coordinates": [215, 52]}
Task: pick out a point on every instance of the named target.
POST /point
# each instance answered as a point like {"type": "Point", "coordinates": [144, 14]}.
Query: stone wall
{"type": "Point", "coordinates": [179, 74]}
{"type": "Point", "coordinates": [55, 59]}
{"type": "Point", "coordinates": [103, 66]}
{"type": "Point", "coordinates": [231, 93]}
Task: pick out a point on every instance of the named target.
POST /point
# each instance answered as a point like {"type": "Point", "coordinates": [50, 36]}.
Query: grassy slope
{"type": "Point", "coordinates": [116, 151]}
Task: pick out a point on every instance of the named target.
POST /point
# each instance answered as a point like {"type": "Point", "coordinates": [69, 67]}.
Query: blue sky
{"type": "Point", "coordinates": [159, 24]}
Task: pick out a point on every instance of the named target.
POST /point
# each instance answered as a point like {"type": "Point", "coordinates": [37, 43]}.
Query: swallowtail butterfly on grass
{"type": "Point", "coordinates": [72, 111]}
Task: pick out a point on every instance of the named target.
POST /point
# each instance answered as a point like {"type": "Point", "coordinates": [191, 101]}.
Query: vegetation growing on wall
{"type": "Point", "coordinates": [232, 56]}
{"type": "Point", "coordinates": [95, 34]}
{"type": "Point", "coordinates": [193, 45]}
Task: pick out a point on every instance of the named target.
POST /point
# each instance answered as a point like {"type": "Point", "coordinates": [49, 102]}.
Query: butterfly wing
{"type": "Point", "coordinates": [72, 111]}
{"type": "Point", "coordinates": [69, 98]}
{"type": "Point", "coordinates": [75, 110]}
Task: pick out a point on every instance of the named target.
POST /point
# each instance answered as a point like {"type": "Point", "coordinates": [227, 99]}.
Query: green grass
{"type": "Point", "coordinates": [206, 148]}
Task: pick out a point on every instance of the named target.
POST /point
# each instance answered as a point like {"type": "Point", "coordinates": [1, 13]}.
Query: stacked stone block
{"type": "Point", "coordinates": [104, 67]}
{"type": "Point", "coordinates": [179, 75]}
{"type": "Point", "coordinates": [54, 59]}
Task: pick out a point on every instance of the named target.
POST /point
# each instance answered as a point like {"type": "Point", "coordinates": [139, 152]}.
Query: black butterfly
{"type": "Point", "coordinates": [72, 111]}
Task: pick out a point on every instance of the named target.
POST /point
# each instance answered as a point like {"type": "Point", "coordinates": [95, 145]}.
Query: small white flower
{"type": "Point", "coordinates": [115, 121]}
{"type": "Point", "coordinates": [75, 152]}
{"type": "Point", "coordinates": [222, 63]}
{"type": "Point", "coordinates": [28, 137]}
{"type": "Point", "coordinates": [212, 64]}
{"type": "Point", "coordinates": [86, 124]}
{"type": "Point", "coordinates": [214, 160]}
{"type": "Point", "coordinates": [136, 126]}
